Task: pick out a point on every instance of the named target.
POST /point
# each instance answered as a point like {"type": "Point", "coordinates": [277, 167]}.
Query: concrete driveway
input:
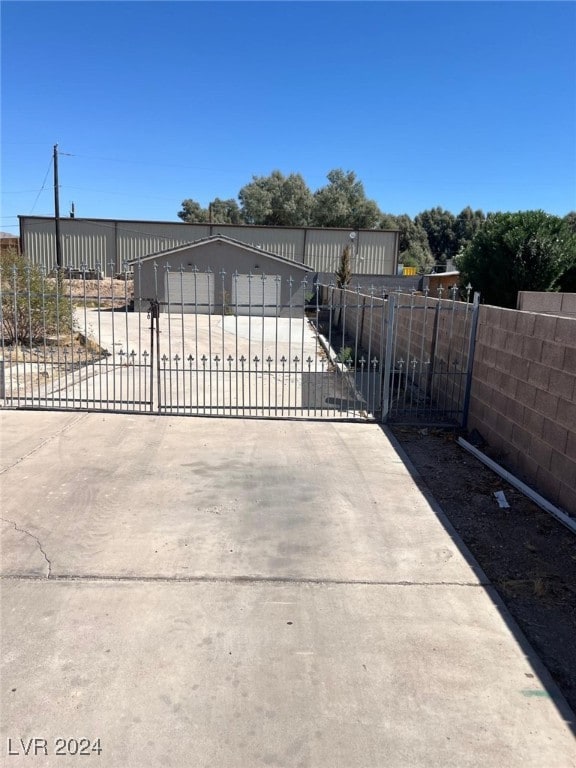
{"type": "Point", "coordinates": [239, 593]}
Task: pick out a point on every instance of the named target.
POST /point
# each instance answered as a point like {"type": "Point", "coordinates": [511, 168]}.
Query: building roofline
{"type": "Point", "coordinates": [206, 224]}
{"type": "Point", "coordinates": [452, 273]}
{"type": "Point", "coordinates": [225, 239]}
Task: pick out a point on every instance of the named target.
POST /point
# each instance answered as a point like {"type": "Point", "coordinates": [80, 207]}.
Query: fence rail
{"type": "Point", "coordinates": [93, 344]}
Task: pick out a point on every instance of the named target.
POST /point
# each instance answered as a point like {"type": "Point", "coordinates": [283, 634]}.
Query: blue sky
{"type": "Point", "coordinates": [450, 104]}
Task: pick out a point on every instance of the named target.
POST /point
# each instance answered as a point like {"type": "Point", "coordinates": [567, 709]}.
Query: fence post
{"type": "Point", "coordinates": [154, 315]}
{"type": "Point", "coordinates": [470, 365]}
{"type": "Point", "coordinates": [389, 310]}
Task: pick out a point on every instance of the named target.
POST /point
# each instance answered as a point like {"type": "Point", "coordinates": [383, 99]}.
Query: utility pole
{"type": "Point", "coordinates": [57, 212]}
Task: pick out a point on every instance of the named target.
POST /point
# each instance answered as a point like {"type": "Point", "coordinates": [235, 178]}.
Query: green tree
{"type": "Point", "coordinates": [439, 226]}
{"type": "Point", "coordinates": [417, 256]}
{"type": "Point", "coordinates": [344, 272]}
{"type": "Point", "coordinates": [193, 213]}
{"type": "Point", "coordinates": [343, 203]}
{"type": "Point", "coordinates": [570, 219]}
{"type": "Point", "coordinates": [276, 200]}
{"type": "Point", "coordinates": [567, 280]}
{"type": "Point", "coordinates": [413, 248]}
{"type": "Point", "coordinates": [33, 309]}
{"type": "Point", "coordinates": [467, 223]}
{"type": "Point", "coordinates": [224, 212]}
{"type": "Point", "coordinates": [218, 212]}
{"type": "Point", "coordinates": [524, 251]}
{"type": "Point", "coordinates": [412, 235]}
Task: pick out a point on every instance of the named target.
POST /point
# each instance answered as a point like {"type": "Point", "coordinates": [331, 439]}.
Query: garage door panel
{"type": "Point", "coordinates": [190, 292]}
{"type": "Point", "coordinates": [256, 296]}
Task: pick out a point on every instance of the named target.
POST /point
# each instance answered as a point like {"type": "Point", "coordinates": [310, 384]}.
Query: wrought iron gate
{"type": "Point", "coordinates": [256, 355]}
{"type": "Point", "coordinates": [429, 358]}
{"type": "Point", "coordinates": [299, 350]}
{"type": "Point", "coordinates": [419, 349]}
{"type": "Point", "coordinates": [83, 343]}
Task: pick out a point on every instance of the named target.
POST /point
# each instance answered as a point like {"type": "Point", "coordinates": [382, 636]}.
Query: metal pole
{"type": "Point", "coordinates": [470, 361]}
{"type": "Point", "coordinates": [57, 212]}
{"type": "Point", "coordinates": [390, 309]}
{"type": "Point", "coordinates": [154, 314]}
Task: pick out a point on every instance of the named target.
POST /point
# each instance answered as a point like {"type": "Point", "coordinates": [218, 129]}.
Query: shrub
{"type": "Point", "coordinates": [33, 307]}
{"type": "Point", "coordinates": [524, 251]}
{"type": "Point", "coordinates": [345, 356]}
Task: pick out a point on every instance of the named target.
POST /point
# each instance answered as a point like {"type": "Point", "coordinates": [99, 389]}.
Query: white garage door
{"type": "Point", "coordinates": [190, 292]}
{"type": "Point", "coordinates": [255, 296]}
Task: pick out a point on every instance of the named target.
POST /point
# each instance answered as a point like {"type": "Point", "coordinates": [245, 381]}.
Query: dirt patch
{"type": "Point", "coordinates": [529, 557]}
{"type": "Point", "coordinates": [106, 289]}
{"type": "Point", "coordinates": [39, 370]}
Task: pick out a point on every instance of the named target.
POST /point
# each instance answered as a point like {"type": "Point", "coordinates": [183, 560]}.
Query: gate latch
{"type": "Point", "coordinates": [153, 310]}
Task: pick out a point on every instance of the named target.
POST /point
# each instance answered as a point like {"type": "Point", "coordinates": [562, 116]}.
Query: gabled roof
{"type": "Point", "coordinates": [223, 239]}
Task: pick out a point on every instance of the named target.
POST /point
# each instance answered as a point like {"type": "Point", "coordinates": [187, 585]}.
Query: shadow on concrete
{"type": "Point", "coordinates": [545, 678]}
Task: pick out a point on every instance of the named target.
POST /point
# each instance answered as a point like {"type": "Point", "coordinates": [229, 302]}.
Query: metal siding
{"type": "Point", "coordinates": [374, 251]}
{"type": "Point", "coordinates": [39, 248]}
{"type": "Point", "coordinates": [377, 252]}
{"type": "Point", "coordinates": [131, 246]}
{"type": "Point", "coordinates": [285, 243]}
{"type": "Point", "coordinates": [324, 249]}
{"type": "Point", "coordinates": [92, 245]}
{"type": "Point", "coordinates": [137, 239]}
{"type": "Point", "coordinates": [102, 241]}
{"type": "Point", "coordinates": [91, 253]}
{"type": "Point", "coordinates": [88, 244]}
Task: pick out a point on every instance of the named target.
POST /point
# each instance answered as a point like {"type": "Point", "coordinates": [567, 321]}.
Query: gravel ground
{"type": "Point", "coordinates": [528, 556]}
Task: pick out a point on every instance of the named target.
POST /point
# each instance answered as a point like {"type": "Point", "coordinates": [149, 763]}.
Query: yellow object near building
{"type": "Point", "coordinates": [410, 271]}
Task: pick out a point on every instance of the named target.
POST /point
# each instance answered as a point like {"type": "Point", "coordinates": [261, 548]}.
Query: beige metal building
{"type": "Point", "coordinates": [219, 275]}
{"type": "Point", "coordinates": [108, 245]}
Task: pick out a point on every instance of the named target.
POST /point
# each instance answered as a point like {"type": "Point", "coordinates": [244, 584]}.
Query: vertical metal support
{"type": "Point", "coordinates": [390, 309]}
{"type": "Point", "coordinates": [470, 361]}
{"type": "Point", "coordinates": [154, 315]}
{"type": "Point", "coordinates": [432, 369]}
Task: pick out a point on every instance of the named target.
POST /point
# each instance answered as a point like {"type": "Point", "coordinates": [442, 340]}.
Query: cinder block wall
{"type": "Point", "coordinates": [437, 331]}
{"type": "Point", "coordinates": [523, 398]}
{"type": "Point", "coordinates": [547, 303]}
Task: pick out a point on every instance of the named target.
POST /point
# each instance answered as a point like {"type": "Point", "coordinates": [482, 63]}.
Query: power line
{"type": "Point", "coordinates": [18, 191]}
{"type": "Point", "coordinates": [156, 164]}
{"type": "Point", "coordinates": [118, 193]}
{"type": "Point", "coordinates": [43, 185]}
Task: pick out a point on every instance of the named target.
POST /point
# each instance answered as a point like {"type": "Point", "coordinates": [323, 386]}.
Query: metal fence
{"type": "Point", "coordinates": [285, 348]}
{"type": "Point", "coordinates": [423, 345]}
{"type": "Point", "coordinates": [93, 344]}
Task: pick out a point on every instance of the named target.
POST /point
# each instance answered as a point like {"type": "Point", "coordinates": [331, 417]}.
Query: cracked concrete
{"type": "Point", "coordinates": [325, 615]}
{"type": "Point", "coordinates": [34, 538]}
